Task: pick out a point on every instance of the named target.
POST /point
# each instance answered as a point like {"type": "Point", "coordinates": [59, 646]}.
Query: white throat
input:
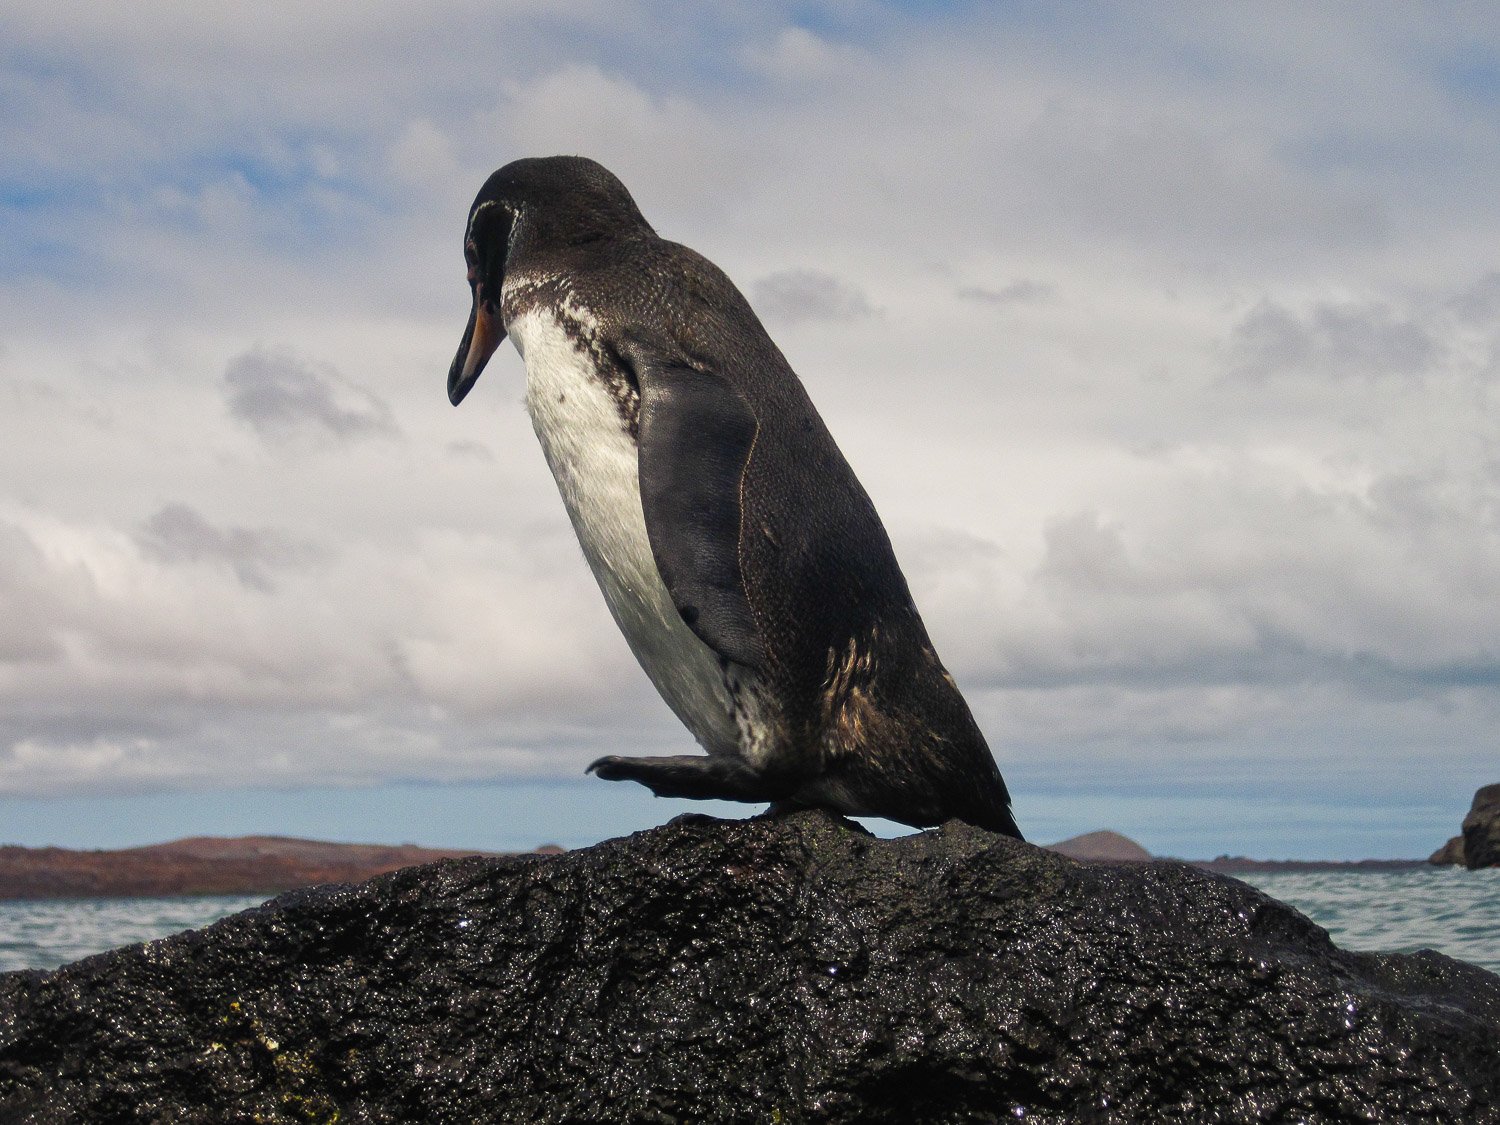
{"type": "Point", "coordinates": [596, 465]}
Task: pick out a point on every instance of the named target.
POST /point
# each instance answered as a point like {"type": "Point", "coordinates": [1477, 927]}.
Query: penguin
{"type": "Point", "coordinates": [738, 553]}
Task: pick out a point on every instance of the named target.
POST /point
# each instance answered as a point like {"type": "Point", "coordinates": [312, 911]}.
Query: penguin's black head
{"type": "Point", "coordinates": [527, 208]}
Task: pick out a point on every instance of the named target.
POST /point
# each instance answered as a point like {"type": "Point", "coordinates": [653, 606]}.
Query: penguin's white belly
{"type": "Point", "coordinates": [596, 465]}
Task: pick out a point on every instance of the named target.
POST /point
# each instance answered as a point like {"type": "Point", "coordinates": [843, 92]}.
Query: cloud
{"type": "Point", "coordinates": [31, 595]}
{"type": "Point", "coordinates": [179, 533]}
{"type": "Point", "coordinates": [1478, 303]}
{"type": "Point", "coordinates": [1227, 510]}
{"type": "Point", "coordinates": [283, 397]}
{"type": "Point", "coordinates": [1331, 340]}
{"type": "Point", "coordinates": [797, 55]}
{"type": "Point", "coordinates": [1156, 174]}
{"type": "Point", "coordinates": [793, 296]}
{"type": "Point", "coordinates": [1021, 291]}
{"type": "Point", "coordinates": [471, 449]}
{"type": "Point", "coordinates": [1254, 578]}
{"type": "Point", "coordinates": [184, 654]}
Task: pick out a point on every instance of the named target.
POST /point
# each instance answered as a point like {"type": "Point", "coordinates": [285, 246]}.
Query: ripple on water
{"type": "Point", "coordinates": [1449, 909]}
{"type": "Point", "coordinates": [46, 934]}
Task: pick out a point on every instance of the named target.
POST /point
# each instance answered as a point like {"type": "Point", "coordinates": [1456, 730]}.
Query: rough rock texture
{"type": "Point", "coordinates": [1481, 829]}
{"type": "Point", "coordinates": [772, 970]}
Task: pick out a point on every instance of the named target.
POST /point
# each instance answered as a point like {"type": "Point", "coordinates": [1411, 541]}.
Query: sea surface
{"type": "Point", "coordinates": [1449, 909]}
{"type": "Point", "coordinates": [53, 932]}
{"type": "Point", "coordinates": [1454, 911]}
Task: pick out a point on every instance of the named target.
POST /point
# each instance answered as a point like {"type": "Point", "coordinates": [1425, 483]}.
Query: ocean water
{"type": "Point", "coordinates": [1449, 909]}
{"type": "Point", "coordinates": [1454, 911]}
{"type": "Point", "coordinates": [46, 934]}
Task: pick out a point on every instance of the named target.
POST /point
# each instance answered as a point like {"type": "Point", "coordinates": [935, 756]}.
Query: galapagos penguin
{"type": "Point", "coordinates": [737, 552]}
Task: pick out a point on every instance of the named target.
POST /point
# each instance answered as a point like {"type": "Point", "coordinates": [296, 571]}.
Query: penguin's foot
{"type": "Point", "coordinates": [696, 776]}
{"type": "Point", "coordinates": [782, 808]}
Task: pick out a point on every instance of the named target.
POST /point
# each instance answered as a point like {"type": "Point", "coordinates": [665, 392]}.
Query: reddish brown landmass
{"type": "Point", "coordinates": [1238, 864]}
{"type": "Point", "coordinates": [204, 865]}
{"type": "Point", "coordinates": [1111, 847]}
{"type": "Point", "coordinates": [1106, 845]}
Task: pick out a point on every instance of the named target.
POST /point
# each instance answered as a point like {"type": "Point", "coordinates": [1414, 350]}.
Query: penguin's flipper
{"type": "Point", "coordinates": [696, 434]}
{"type": "Point", "coordinates": [718, 777]}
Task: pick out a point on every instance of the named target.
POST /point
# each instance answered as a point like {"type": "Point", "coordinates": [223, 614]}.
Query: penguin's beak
{"type": "Point", "coordinates": [482, 336]}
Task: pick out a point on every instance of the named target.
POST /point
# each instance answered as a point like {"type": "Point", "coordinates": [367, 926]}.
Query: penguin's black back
{"type": "Point", "coordinates": [842, 647]}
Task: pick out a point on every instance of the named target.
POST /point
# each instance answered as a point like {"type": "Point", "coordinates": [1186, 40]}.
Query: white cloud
{"type": "Point", "coordinates": [1020, 291]}
{"type": "Point", "coordinates": [1331, 339]}
{"type": "Point", "coordinates": [789, 296]}
{"type": "Point", "coordinates": [179, 533]}
{"type": "Point", "coordinates": [797, 55]}
{"type": "Point", "coordinates": [282, 397]}
{"type": "Point", "coordinates": [1180, 402]}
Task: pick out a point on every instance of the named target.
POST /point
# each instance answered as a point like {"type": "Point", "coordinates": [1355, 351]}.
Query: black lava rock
{"type": "Point", "coordinates": [1481, 829]}
{"type": "Point", "coordinates": [1450, 854]}
{"type": "Point", "coordinates": [792, 969]}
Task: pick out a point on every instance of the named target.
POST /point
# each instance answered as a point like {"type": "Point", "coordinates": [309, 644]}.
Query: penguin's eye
{"type": "Point", "coordinates": [471, 256]}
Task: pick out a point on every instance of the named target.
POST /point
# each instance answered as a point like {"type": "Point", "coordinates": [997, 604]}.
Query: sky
{"type": "Point", "coordinates": [1165, 337]}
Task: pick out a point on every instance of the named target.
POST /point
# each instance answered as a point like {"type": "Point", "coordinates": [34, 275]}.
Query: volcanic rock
{"type": "Point", "coordinates": [790, 969]}
{"type": "Point", "coordinates": [1451, 853]}
{"type": "Point", "coordinates": [1481, 829]}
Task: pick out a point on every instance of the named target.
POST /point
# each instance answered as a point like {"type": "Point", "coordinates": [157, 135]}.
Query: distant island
{"type": "Point", "coordinates": [1244, 865]}
{"type": "Point", "coordinates": [204, 865]}
{"type": "Point", "coordinates": [1478, 842]}
{"type": "Point", "coordinates": [1111, 847]}
{"type": "Point", "coordinates": [1105, 846]}
{"type": "Point", "coordinates": [269, 865]}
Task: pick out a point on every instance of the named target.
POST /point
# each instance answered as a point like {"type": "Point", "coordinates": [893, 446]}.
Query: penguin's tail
{"type": "Point", "coordinates": [1005, 824]}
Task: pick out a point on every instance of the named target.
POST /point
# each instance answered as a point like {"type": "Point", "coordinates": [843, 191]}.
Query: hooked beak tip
{"type": "Point", "coordinates": [481, 338]}
{"type": "Point", "coordinates": [458, 386]}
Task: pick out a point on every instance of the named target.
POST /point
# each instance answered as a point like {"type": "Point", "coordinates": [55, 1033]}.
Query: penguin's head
{"type": "Point", "coordinates": [486, 241]}
{"type": "Point", "coordinates": [530, 207]}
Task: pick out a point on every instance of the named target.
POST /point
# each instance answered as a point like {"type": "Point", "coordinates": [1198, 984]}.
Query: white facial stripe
{"type": "Point", "coordinates": [474, 218]}
{"type": "Point", "coordinates": [515, 225]}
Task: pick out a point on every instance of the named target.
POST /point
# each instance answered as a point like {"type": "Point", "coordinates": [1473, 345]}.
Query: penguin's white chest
{"type": "Point", "coordinates": [597, 468]}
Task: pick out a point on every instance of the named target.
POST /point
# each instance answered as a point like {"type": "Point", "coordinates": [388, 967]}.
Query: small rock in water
{"type": "Point", "coordinates": [1449, 854]}
{"type": "Point", "coordinates": [1481, 829]}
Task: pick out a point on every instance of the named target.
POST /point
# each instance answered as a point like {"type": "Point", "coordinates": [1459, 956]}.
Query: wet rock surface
{"type": "Point", "coordinates": [790, 969]}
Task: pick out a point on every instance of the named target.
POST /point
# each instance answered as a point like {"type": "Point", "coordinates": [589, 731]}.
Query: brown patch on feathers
{"type": "Point", "coordinates": [852, 722]}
